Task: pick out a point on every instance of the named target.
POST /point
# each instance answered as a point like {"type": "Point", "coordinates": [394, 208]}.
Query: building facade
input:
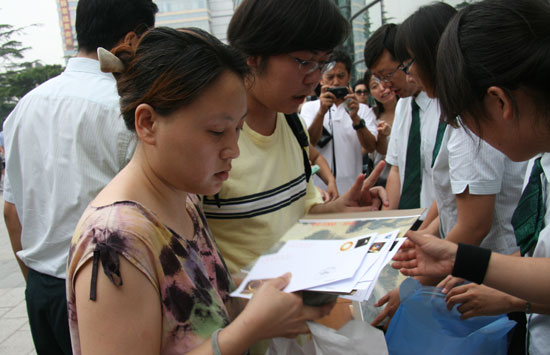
{"type": "Point", "coordinates": [212, 16]}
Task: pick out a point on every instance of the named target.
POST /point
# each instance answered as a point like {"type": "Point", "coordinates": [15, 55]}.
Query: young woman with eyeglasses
{"type": "Point", "coordinates": [492, 73]}
{"type": "Point", "coordinates": [476, 186]}
{"type": "Point", "coordinates": [287, 44]}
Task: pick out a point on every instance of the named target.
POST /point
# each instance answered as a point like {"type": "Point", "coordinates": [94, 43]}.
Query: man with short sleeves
{"type": "Point", "coordinates": [410, 148]}
{"type": "Point", "coordinates": [396, 156]}
{"type": "Point", "coordinates": [338, 125]}
{"type": "Point", "coordinates": [414, 130]}
{"type": "Point", "coordinates": [65, 140]}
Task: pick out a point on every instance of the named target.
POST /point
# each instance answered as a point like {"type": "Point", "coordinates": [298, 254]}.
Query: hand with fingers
{"type": "Point", "coordinates": [392, 302]}
{"type": "Point", "coordinates": [449, 282]}
{"type": "Point", "coordinates": [384, 129]}
{"type": "Point", "coordinates": [274, 313]}
{"type": "Point", "coordinates": [475, 300]}
{"type": "Point", "coordinates": [327, 99]}
{"type": "Point", "coordinates": [332, 191]}
{"type": "Point", "coordinates": [425, 255]}
{"type": "Point", "coordinates": [352, 105]}
{"type": "Point", "coordinates": [374, 195]}
{"type": "Point", "coordinates": [361, 197]}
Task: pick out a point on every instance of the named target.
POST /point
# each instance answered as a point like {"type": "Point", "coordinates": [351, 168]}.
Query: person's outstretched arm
{"type": "Point", "coordinates": [526, 278]}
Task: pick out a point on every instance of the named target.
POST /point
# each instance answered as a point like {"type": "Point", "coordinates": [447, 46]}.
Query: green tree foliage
{"type": "Point", "coordinates": [17, 78]}
{"type": "Point", "coordinates": [385, 18]}
{"type": "Point", "coordinates": [463, 4]}
{"type": "Point", "coordinates": [14, 84]}
{"type": "Point", "coordinates": [366, 18]}
{"type": "Point", "coordinates": [10, 49]}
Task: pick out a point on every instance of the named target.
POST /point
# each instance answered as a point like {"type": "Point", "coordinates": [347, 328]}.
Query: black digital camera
{"type": "Point", "coordinates": [340, 91]}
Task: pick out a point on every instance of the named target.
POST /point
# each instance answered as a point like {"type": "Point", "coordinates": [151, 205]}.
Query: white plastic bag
{"type": "Point", "coordinates": [354, 338]}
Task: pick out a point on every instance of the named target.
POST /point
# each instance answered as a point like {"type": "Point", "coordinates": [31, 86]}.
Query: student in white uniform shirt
{"type": "Point", "coordinates": [343, 118]}
{"type": "Point", "coordinates": [503, 98]}
{"type": "Point", "coordinates": [477, 187]}
{"type": "Point", "coordinates": [397, 150]}
{"type": "Point", "coordinates": [403, 192]}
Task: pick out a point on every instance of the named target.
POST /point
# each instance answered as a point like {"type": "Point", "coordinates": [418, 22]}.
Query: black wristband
{"type": "Point", "coordinates": [471, 262]}
{"type": "Point", "coordinates": [360, 125]}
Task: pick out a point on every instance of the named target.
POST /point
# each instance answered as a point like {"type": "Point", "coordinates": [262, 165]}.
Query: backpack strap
{"type": "Point", "coordinates": [295, 125]}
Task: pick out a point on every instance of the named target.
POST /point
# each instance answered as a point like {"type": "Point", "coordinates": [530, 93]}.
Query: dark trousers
{"type": "Point", "coordinates": [47, 310]}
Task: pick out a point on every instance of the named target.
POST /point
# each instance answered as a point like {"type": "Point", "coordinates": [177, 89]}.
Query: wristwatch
{"type": "Point", "coordinates": [360, 125]}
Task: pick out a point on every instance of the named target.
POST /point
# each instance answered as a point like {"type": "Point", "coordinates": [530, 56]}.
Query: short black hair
{"type": "Point", "coordinates": [341, 56]}
{"type": "Point", "coordinates": [359, 82]}
{"type": "Point", "coordinates": [382, 39]}
{"type": "Point", "coordinates": [503, 43]}
{"type": "Point", "coordinates": [266, 28]}
{"type": "Point", "coordinates": [103, 23]}
{"type": "Point", "coordinates": [420, 34]}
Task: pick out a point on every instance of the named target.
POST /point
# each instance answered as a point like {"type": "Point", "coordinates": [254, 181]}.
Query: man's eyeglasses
{"type": "Point", "coordinates": [309, 66]}
{"type": "Point", "coordinates": [407, 68]}
{"type": "Point", "coordinates": [387, 77]}
{"type": "Point", "coordinates": [361, 92]}
{"type": "Point", "coordinates": [404, 68]}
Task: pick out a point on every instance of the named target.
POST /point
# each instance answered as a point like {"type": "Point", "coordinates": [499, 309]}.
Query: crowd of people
{"type": "Point", "coordinates": [161, 162]}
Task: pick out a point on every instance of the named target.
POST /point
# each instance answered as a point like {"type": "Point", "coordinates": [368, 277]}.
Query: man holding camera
{"type": "Point", "coordinates": [338, 125]}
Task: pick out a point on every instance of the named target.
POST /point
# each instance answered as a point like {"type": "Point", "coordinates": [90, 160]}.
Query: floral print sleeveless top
{"type": "Point", "coordinates": [191, 278]}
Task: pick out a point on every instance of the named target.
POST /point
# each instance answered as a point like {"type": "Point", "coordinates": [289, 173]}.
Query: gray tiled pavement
{"type": "Point", "coordinates": [15, 334]}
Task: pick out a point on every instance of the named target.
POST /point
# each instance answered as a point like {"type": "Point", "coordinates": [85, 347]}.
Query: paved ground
{"type": "Point", "coordinates": [15, 335]}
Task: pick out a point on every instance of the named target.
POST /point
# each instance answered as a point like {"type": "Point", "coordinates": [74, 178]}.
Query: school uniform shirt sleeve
{"type": "Point", "coordinates": [474, 164]}
{"type": "Point", "coordinates": [397, 145]}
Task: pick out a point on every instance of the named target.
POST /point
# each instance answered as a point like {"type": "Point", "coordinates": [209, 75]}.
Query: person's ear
{"type": "Point", "coordinates": [131, 39]}
{"type": "Point", "coordinates": [146, 123]}
{"type": "Point", "coordinates": [499, 104]}
{"type": "Point", "coordinates": [254, 62]}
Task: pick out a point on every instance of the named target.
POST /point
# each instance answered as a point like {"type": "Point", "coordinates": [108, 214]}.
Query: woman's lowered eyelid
{"type": "Point", "coordinates": [216, 133]}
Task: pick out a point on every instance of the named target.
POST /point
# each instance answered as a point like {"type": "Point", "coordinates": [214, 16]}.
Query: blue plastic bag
{"type": "Point", "coordinates": [423, 325]}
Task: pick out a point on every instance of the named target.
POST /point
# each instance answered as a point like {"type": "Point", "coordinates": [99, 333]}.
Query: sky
{"type": "Point", "coordinates": [45, 39]}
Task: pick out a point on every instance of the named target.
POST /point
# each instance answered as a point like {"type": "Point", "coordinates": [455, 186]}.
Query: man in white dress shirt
{"type": "Point", "coordinates": [381, 60]}
{"type": "Point", "coordinates": [343, 118]}
{"type": "Point", "coordinates": [65, 140]}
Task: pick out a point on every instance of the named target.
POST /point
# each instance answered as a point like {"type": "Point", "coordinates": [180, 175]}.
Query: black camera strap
{"type": "Point", "coordinates": [333, 141]}
{"type": "Point", "coordinates": [295, 125]}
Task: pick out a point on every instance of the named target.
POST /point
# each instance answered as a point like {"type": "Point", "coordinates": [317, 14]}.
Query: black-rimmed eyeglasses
{"type": "Point", "coordinates": [387, 77]}
{"type": "Point", "coordinates": [407, 68]}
